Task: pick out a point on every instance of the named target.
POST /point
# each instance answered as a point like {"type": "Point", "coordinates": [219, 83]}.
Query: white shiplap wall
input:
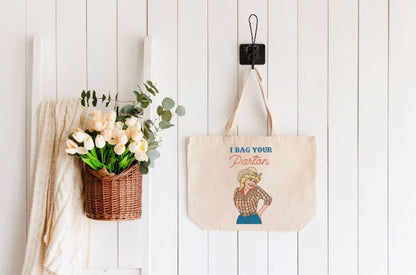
{"type": "Point", "coordinates": [341, 70]}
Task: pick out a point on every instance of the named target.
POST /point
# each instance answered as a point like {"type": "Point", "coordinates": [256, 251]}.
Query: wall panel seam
{"type": "Point", "coordinates": [388, 137]}
{"type": "Point", "coordinates": [358, 137]}
{"type": "Point", "coordinates": [327, 137]}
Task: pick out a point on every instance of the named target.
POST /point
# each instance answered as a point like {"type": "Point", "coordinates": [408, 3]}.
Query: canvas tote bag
{"type": "Point", "coordinates": [251, 182]}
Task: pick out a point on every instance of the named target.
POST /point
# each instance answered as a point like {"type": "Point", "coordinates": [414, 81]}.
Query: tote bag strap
{"type": "Point", "coordinates": [232, 124]}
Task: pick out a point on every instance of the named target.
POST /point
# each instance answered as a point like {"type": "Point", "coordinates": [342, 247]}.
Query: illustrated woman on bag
{"type": "Point", "coordinates": [248, 195]}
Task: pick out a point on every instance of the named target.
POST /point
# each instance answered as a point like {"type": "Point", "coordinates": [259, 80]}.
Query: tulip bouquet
{"type": "Point", "coordinates": [117, 139]}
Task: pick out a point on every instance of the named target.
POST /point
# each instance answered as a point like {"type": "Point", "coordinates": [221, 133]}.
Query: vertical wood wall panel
{"type": "Point", "coordinates": [131, 30]}
{"type": "Point", "coordinates": [102, 77]}
{"type": "Point", "coordinates": [162, 26]}
{"type": "Point", "coordinates": [402, 132]}
{"type": "Point", "coordinates": [192, 92]}
{"type": "Point", "coordinates": [353, 88]}
{"type": "Point", "coordinates": [282, 82]}
{"type": "Point", "coordinates": [373, 41]}
{"type": "Point", "coordinates": [71, 48]}
{"type": "Point", "coordinates": [222, 93]}
{"type": "Point", "coordinates": [343, 23]}
{"type": "Point", "coordinates": [313, 67]}
{"type": "Point", "coordinates": [252, 246]}
{"type": "Point", "coordinates": [12, 79]}
{"type": "Point", "coordinates": [40, 22]}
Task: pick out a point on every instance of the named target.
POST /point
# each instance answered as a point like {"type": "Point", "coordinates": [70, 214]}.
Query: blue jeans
{"type": "Point", "coordinates": [252, 219]}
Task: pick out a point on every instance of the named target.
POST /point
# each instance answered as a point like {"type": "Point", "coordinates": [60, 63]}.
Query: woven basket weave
{"type": "Point", "coordinates": [111, 197]}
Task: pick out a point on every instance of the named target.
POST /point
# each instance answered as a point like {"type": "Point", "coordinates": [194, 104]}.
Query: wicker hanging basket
{"type": "Point", "coordinates": [111, 197]}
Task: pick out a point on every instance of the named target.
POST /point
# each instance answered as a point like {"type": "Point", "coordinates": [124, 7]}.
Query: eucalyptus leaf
{"type": "Point", "coordinates": [159, 110]}
{"type": "Point", "coordinates": [103, 98]}
{"type": "Point", "coordinates": [145, 104]}
{"type": "Point", "coordinates": [146, 132]}
{"type": "Point", "coordinates": [151, 139]}
{"type": "Point", "coordinates": [153, 154]}
{"type": "Point", "coordinates": [166, 115]}
{"type": "Point", "coordinates": [88, 95]}
{"type": "Point", "coordinates": [144, 169]}
{"type": "Point", "coordinates": [94, 98]}
{"type": "Point", "coordinates": [127, 110]}
{"type": "Point", "coordinates": [136, 93]}
{"type": "Point", "coordinates": [144, 163]}
{"type": "Point", "coordinates": [168, 103]}
{"type": "Point", "coordinates": [165, 125]}
{"type": "Point", "coordinates": [180, 110]}
{"type": "Point", "coordinates": [149, 89]}
{"type": "Point", "coordinates": [150, 83]}
{"type": "Point", "coordinates": [153, 145]}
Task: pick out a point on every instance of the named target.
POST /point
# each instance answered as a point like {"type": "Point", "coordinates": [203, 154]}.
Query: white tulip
{"type": "Point", "coordinates": [107, 134]}
{"type": "Point", "coordinates": [96, 114]}
{"type": "Point", "coordinates": [88, 143]}
{"type": "Point", "coordinates": [128, 132]}
{"type": "Point", "coordinates": [119, 149]}
{"type": "Point", "coordinates": [141, 156]}
{"type": "Point", "coordinates": [113, 140]}
{"type": "Point", "coordinates": [100, 125]}
{"type": "Point", "coordinates": [136, 134]}
{"type": "Point", "coordinates": [143, 146]}
{"type": "Point", "coordinates": [111, 116]}
{"type": "Point", "coordinates": [81, 150]}
{"type": "Point", "coordinates": [78, 135]}
{"type": "Point", "coordinates": [90, 124]}
{"type": "Point", "coordinates": [110, 125]}
{"type": "Point", "coordinates": [71, 151]}
{"type": "Point", "coordinates": [138, 125]}
{"type": "Point", "coordinates": [119, 125]}
{"type": "Point", "coordinates": [134, 146]}
{"type": "Point", "coordinates": [72, 147]}
{"type": "Point", "coordinates": [122, 138]}
{"type": "Point", "coordinates": [114, 137]}
{"type": "Point", "coordinates": [131, 121]}
{"type": "Point", "coordinates": [99, 141]}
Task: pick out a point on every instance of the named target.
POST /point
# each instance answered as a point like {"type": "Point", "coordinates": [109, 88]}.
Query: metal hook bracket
{"type": "Point", "coordinates": [253, 54]}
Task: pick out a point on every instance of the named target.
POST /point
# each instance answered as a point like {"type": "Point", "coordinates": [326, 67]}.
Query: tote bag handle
{"type": "Point", "coordinates": [231, 126]}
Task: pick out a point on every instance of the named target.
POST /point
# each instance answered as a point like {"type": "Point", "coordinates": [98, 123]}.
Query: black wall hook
{"type": "Point", "coordinates": [253, 54]}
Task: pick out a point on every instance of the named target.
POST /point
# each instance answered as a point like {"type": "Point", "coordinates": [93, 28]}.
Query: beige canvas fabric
{"type": "Point", "coordinates": [251, 182]}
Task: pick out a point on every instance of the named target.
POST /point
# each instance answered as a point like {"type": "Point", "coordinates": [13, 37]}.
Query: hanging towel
{"type": "Point", "coordinates": [58, 236]}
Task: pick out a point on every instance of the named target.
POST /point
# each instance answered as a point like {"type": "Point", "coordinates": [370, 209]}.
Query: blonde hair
{"type": "Point", "coordinates": [246, 177]}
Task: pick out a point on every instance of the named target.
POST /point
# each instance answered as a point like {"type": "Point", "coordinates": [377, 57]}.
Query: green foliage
{"type": "Point", "coordinates": [153, 154]}
{"type": "Point", "coordinates": [168, 103]}
{"type": "Point", "coordinates": [166, 115]}
{"type": "Point", "coordinates": [151, 128]}
{"type": "Point", "coordinates": [159, 110]}
{"type": "Point", "coordinates": [180, 110]}
{"type": "Point", "coordinates": [86, 96]}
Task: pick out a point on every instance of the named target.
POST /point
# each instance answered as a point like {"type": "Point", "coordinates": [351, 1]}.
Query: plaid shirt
{"type": "Point", "coordinates": [247, 204]}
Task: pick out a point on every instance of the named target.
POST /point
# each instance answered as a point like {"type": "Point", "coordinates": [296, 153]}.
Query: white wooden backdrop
{"type": "Point", "coordinates": [342, 70]}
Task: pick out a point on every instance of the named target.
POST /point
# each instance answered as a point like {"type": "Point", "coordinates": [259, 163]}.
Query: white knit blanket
{"type": "Point", "coordinates": [58, 235]}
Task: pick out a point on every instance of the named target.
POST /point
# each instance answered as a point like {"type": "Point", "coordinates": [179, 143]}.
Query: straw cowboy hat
{"type": "Point", "coordinates": [248, 171]}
